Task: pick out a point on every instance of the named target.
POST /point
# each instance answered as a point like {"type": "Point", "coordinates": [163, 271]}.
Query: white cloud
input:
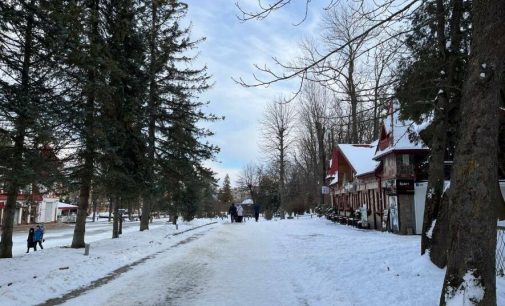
{"type": "Point", "coordinates": [231, 50]}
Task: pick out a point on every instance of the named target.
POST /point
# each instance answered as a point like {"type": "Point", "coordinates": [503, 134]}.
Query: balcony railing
{"type": "Point", "coordinates": [405, 170]}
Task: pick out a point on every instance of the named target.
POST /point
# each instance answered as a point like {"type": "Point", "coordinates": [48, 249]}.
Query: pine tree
{"type": "Point", "coordinates": [123, 159]}
{"type": "Point", "coordinates": [29, 101]}
{"type": "Point", "coordinates": [174, 153]}
{"type": "Point", "coordinates": [431, 85]}
{"type": "Point", "coordinates": [225, 195]}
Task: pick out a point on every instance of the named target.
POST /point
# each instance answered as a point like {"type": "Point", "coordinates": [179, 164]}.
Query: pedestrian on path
{"type": "Point", "coordinates": [256, 211]}
{"type": "Point", "coordinates": [240, 213]}
{"type": "Point", "coordinates": [38, 237]}
{"type": "Point", "coordinates": [30, 242]}
{"type": "Point", "coordinates": [232, 211]}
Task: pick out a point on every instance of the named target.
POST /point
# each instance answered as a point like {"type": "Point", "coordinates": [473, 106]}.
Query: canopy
{"type": "Point", "coordinates": [65, 206]}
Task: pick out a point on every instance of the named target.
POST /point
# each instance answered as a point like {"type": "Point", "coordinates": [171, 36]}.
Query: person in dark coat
{"type": "Point", "coordinates": [256, 208]}
{"type": "Point", "coordinates": [232, 211]}
{"type": "Point", "coordinates": [38, 237]}
{"type": "Point", "coordinates": [30, 243]}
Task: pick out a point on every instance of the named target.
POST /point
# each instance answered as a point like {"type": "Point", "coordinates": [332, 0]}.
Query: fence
{"type": "Point", "coordinates": [500, 251]}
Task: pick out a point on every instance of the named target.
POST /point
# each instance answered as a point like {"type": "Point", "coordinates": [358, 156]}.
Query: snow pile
{"type": "Point", "coordinates": [470, 292]}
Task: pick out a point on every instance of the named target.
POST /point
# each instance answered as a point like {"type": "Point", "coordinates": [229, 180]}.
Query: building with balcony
{"type": "Point", "coordinates": [374, 184]}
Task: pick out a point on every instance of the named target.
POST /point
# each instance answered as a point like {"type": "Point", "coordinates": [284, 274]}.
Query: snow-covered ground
{"type": "Point", "coordinates": [306, 261]}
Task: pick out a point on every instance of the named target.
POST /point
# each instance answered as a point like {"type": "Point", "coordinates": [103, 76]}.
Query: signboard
{"type": "Point", "coordinates": [325, 190]}
{"type": "Point", "coordinates": [404, 186]}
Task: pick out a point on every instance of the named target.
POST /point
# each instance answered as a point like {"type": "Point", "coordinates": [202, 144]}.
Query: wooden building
{"type": "Point", "coordinates": [374, 184]}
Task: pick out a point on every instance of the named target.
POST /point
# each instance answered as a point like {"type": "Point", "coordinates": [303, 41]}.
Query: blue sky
{"type": "Point", "coordinates": [230, 50]}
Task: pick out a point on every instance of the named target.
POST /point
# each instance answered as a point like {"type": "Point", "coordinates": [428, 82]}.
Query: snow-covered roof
{"type": "Point", "coordinates": [247, 202]}
{"type": "Point", "coordinates": [399, 130]}
{"type": "Point", "coordinates": [334, 180]}
{"type": "Point", "coordinates": [66, 206]}
{"type": "Point", "coordinates": [360, 156]}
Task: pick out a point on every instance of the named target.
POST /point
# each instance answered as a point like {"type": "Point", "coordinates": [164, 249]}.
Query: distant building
{"type": "Point", "coordinates": [374, 184]}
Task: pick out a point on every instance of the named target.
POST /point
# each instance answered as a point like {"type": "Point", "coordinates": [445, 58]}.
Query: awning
{"type": "Point", "coordinates": [65, 206]}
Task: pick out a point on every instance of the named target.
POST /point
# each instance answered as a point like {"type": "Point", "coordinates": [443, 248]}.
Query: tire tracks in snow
{"type": "Point", "coordinates": [121, 270]}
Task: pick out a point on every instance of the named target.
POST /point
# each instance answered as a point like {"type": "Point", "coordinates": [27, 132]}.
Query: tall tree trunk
{"type": "Point", "coordinates": [433, 238]}
{"type": "Point", "coordinates": [322, 158]}
{"type": "Point", "coordinates": [435, 178]}
{"type": "Point", "coordinates": [148, 200]}
{"type": "Point", "coordinates": [13, 181]}
{"type": "Point", "coordinates": [86, 173]}
{"type": "Point", "coordinates": [354, 102]}
{"type": "Point", "coordinates": [82, 210]}
{"type": "Point", "coordinates": [471, 263]}
{"type": "Point", "coordinates": [281, 173]}
{"type": "Point", "coordinates": [12, 193]}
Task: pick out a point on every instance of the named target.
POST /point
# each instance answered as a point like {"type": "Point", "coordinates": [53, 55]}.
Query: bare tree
{"type": "Point", "coordinates": [277, 137]}
{"type": "Point", "coordinates": [315, 114]}
{"type": "Point", "coordinates": [472, 223]}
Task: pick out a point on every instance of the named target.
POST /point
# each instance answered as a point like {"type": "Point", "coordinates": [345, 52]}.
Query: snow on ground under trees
{"type": "Point", "coordinates": [306, 261]}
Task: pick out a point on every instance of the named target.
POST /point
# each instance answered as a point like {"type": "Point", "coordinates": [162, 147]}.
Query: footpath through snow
{"type": "Point", "coordinates": [287, 262]}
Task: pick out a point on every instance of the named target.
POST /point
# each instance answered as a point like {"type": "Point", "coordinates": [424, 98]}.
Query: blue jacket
{"type": "Point", "coordinates": [38, 234]}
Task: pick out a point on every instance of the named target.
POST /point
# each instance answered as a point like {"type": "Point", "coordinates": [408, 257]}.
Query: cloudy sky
{"type": "Point", "coordinates": [230, 50]}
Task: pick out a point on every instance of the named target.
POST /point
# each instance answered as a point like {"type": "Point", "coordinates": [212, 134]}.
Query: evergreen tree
{"type": "Point", "coordinates": [29, 100]}
{"type": "Point", "coordinates": [175, 152]}
{"type": "Point", "coordinates": [431, 86]}
{"type": "Point", "coordinates": [124, 150]}
{"type": "Point", "coordinates": [225, 195]}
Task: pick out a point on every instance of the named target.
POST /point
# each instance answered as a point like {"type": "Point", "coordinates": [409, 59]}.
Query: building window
{"type": "Point", "coordinates": [406, 159]}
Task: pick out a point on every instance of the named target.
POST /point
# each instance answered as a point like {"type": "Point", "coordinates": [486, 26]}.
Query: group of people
{"type": "Point", "coordinates": [35, 236]}
{"type": "Point", "coordinates": [236, 212]}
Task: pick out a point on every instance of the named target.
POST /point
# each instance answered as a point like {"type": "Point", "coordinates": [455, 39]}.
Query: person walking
{"type": "Point", "coordinates": [256, 208]}
{"type": "Point", "coordinates": [240, 213]}
{"type": "Point", "coordinates": [30, 242]}
{"type": "Point", "coordinates": [232, 211]}
{"type": "Point", "coordinates": [38, 237]}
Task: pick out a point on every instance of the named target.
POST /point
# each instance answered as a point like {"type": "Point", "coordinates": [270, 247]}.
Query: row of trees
{"type": "Point", "coordinates": [101, 95]}
{"type": "Point", "coordinates": [444, 65]}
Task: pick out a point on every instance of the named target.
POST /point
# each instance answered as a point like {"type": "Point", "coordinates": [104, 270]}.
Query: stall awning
{"type": "Point", "coordinates": [65, 206]}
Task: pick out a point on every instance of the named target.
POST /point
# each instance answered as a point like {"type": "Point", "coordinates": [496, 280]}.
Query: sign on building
{"type": "Point", "coordinates": [325, 190]}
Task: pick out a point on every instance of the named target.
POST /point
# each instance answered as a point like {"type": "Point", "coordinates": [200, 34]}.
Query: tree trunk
{"type": "Point", "coordinates": [82, 210]}
{"type": "Point", "coordinates": [440, 237]}
{"type": "Point", "coordinates": [86, 174]}
{"type": "Point", "coordinates": [146, 211]}
{"type": "Point", "coordinates": [471, 260]}
{"type": "Point", "coordinates": [354, 101]}
{"type": "Point", "coordinates": [17, 167]}
{"type": "Point", "coordinates": [322, 158]}
{"type": "Point", "coordinates": [115, 220]}
{"type": "Point", "coordinates": [148, 200]}
{"type": "Point", "coordinates": [448, 99]}
{"type": "Point", "coordinates": [435, 181]}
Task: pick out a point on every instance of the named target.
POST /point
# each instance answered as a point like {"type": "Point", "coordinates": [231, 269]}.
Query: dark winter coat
{"type": "Point", "coordinates": [39, 233]}
{"type": "Point", "coordinates": [30, 241]}
{"type": "Point", "coordinates": [256, 208]}
{"type": "Point", "coordinates": [232, 210]}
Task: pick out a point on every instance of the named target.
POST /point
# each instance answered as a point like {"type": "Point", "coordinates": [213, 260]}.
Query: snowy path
{"type": "Point", "coordinates": [290, 262]}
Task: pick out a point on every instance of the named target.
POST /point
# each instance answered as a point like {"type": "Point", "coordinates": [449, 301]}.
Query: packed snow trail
{"type": "Point", "coordinates": [288, 262]}
{"type": "Point", "coordinates": [306, 261]}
